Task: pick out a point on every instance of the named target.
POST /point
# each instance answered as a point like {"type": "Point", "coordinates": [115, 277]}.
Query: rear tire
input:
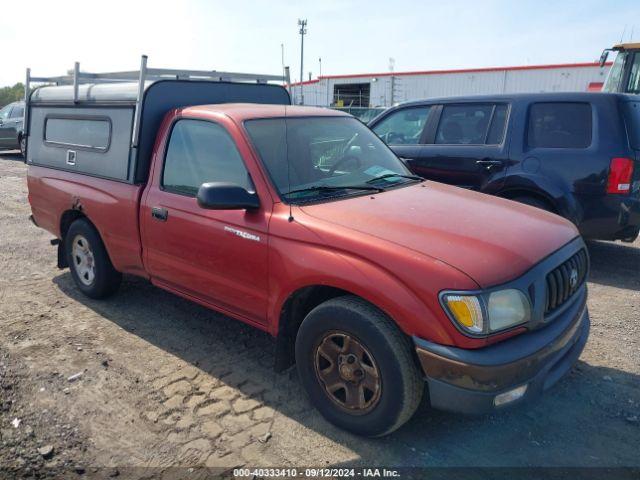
{"type": "Point", "coordinates": [90, 266]}
{"type": "Point", "coordinates": [357, 367]}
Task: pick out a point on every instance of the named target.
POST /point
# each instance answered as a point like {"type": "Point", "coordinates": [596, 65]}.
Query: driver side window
{"type": "Point", "coordinates": [403, 127]}
{"type": "Point", "coordinates": [200, 151]}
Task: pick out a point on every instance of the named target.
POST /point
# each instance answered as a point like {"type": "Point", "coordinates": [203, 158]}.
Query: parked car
{"type": "Point", "coordinates": [303, 223]}
{"type": "Point", "coordinates": [574, 154]}
{"type": "Point", "coordinates": [11, 127]}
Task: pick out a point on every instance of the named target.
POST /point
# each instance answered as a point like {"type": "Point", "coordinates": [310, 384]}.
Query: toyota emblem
{"type": "Point", "coordinates": [573, 278]}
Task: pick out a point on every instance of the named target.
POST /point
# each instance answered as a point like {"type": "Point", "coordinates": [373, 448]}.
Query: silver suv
{"type": "Point", "coordinates": [11, 127]}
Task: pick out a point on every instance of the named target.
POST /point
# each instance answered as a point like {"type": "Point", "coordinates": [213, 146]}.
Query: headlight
{"type": "Point", "coordinates": [508, 308]}
{"type": "Point", "coordinates": [484, 314]}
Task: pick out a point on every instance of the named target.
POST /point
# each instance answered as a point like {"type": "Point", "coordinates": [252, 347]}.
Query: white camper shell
{"type": "Point", "coordinates": [105, 124]}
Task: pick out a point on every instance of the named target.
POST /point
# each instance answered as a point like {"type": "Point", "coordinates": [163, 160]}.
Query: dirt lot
{"type": "Point", "coordinates": [164, 383]}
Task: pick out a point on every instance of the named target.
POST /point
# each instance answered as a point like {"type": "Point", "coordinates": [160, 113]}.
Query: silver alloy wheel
{"type": "Point", "coordinates": [83, 261]}
{"type": "Point", "coordinates": [23, 145]}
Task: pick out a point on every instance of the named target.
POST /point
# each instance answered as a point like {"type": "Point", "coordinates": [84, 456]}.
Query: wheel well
{"type": "Point", "coordinates": [294, 311]}
{"type": "Point", "coordinates": [511, 194]}
{"type": "Point", "coordinates": [67, 219]}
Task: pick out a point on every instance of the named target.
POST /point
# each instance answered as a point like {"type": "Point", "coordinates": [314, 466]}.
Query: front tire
{"type": "Point", "coordinates": [357, 367]}
{"type": "Point", "coordinates": [90, 266]}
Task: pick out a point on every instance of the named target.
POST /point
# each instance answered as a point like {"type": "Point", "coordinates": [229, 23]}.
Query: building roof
{"type": "Point", "coordinates": [454, 71]}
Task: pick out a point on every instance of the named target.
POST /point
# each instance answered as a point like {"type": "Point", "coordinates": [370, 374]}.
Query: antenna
{"type": "Point", "coordinates": [624, 30]}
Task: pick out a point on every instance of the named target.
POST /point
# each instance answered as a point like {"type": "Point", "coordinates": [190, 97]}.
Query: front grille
{"type": "Point", "coordinates": [565, 280]}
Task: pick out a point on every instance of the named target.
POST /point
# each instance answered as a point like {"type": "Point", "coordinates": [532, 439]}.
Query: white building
{"type": "Point", "coordinates": [386, 89]}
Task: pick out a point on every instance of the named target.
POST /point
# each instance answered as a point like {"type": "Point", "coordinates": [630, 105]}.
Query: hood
{"type": "Point", "coordinates": [491, 239]}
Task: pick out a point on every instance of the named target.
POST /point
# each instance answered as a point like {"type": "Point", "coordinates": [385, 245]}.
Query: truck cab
{"type": "Point", "coordinates": [624, 76]}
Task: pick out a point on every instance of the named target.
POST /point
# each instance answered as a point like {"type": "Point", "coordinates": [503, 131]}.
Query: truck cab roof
{"type": "Point", "coordinates": [627, 46]}
{"type": "Point", "coordinates": [240, 112]}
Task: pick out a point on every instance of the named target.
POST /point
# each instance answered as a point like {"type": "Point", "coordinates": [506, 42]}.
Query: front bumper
{"type": "Point", "coordinates": [468, 381]}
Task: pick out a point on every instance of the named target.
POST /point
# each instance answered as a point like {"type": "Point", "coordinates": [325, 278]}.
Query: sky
{"type": "Point", "coordinates": [350, 36]}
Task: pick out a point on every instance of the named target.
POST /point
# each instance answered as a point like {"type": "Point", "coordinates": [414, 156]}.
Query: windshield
{"type": "Point", "coordinates": [612, 83]}
{"type": "Point", "coordinates": [315, 158]}
{"type": "Point", "coordinates": [4, 112]}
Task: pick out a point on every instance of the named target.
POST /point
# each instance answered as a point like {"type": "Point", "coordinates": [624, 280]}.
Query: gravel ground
{"type": "Point", "coordinates": [145, 382]}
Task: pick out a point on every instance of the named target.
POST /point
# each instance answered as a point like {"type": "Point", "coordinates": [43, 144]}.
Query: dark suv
{"type": "Point", "coordinates": [11, 127]}
{"type": "Point", "coordinates": [575, 154]}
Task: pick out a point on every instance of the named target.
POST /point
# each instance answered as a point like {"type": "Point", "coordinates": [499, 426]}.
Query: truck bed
{"type": "Point", "coordinates": [113, 207]}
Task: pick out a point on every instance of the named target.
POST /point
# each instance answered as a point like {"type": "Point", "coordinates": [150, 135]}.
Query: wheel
{"type": "Point", "coordinates": [90, 266]}
{"type": "Point", "coordinates": [23, 145]}
{"type": "Point", "coordinates": [357, 367]}
{"type": "Point", "coordinates": [534, 202]}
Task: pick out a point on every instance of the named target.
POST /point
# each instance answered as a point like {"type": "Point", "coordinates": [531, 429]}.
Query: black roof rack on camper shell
{"type": "Point", "coordinates": [149, 93]}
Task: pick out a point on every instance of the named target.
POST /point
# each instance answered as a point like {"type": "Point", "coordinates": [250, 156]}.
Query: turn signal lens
{"type": "Point", "coordinates": [466, 310]}
{"type": "Point", "coordinates": [620, 175]}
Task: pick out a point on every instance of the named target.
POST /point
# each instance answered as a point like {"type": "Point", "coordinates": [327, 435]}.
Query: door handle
{"type": "Point", "coordinates": [490, 163]}
{"type": "Point", "coordinates": [159, 213]}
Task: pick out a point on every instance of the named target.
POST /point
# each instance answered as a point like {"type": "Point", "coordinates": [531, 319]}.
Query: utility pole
{"type": "Point", "coordinates": [320, 62]}
{"type": "Point", "coordinates": [303, 31]}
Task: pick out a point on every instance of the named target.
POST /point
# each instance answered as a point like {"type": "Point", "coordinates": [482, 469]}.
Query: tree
{"type": "Point", "coordinates": [11, 94]}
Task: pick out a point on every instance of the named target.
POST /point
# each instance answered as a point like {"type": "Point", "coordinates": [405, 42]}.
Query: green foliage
{"type": "Point", "coordinates": [11, 94]}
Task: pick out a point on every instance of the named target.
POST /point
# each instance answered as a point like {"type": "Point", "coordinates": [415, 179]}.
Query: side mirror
{"type": "Point", "coordinates": [603, 57]}
{"type": "Point", "coordinates": [226, 196]}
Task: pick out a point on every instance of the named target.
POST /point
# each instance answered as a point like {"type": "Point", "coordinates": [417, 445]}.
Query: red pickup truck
{"type": "Point", "coordinates": [302, 223]}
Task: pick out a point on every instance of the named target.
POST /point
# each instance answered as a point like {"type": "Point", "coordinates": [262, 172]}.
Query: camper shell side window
{"type": "Point", "coordinates": [82, 132]}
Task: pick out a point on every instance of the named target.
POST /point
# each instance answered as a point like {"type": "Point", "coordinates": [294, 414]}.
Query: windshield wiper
{"type": "Point", "coordinates": [388, 175]}
{"type": "Point", "coordinates": [331, 188]}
